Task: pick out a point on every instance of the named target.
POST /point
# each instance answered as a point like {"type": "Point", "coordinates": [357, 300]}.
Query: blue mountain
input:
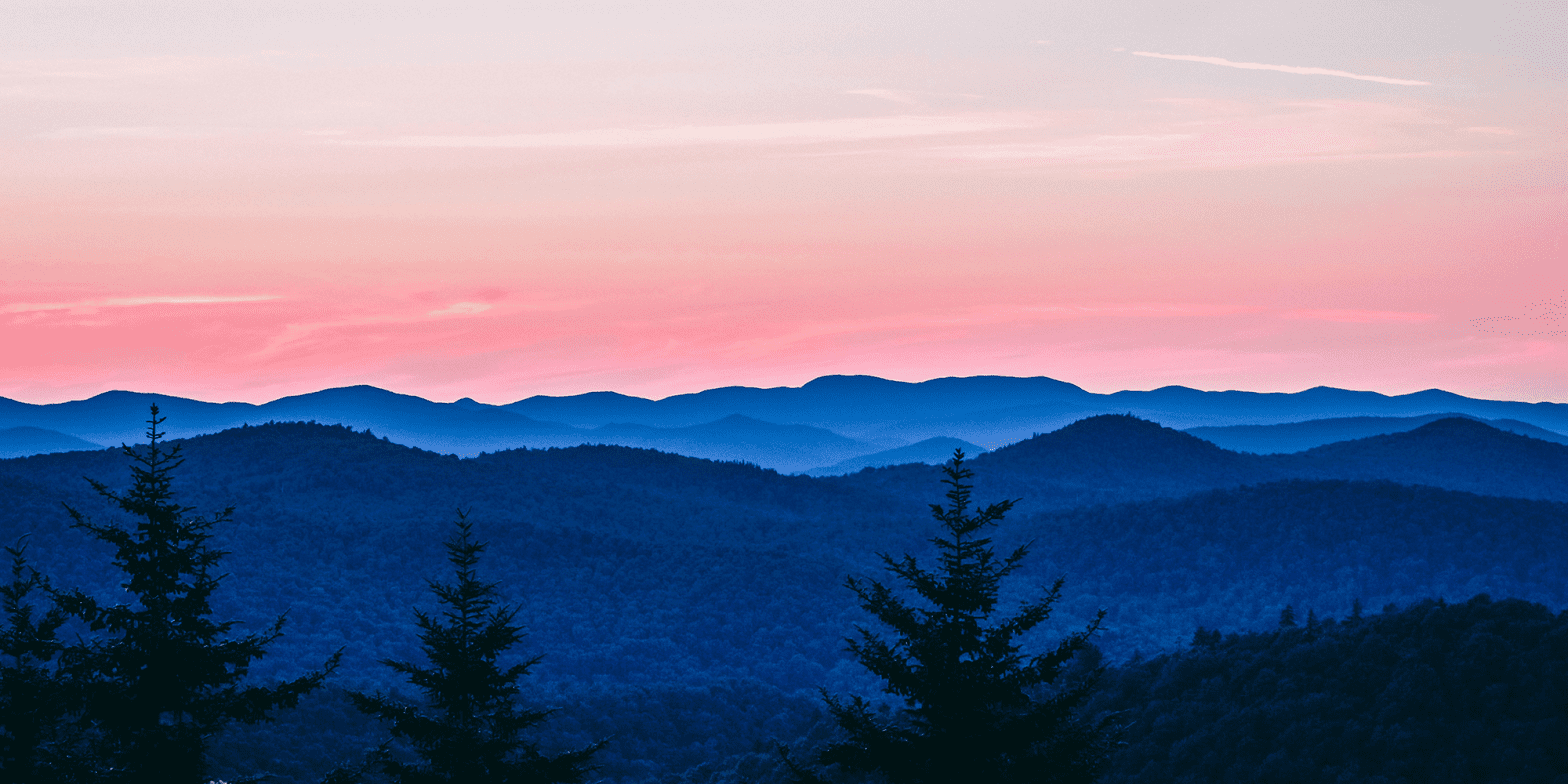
{"type": "Point", "coordinates": [932, 451]}
{"type": "Point", "coordinates": [845, 417]}
{"type": "Point", "coordinates": [998, 410]}
{"type": "Point", "coordinates": [705, 599]}
{"type": "Point", "coordinates": [23, 441]}
{"type": "Point", "coordinates": [1115, 457]}
{"type": "Point", "coordinates": [786, 448]}
{"type": "Point", "coordinates": [1300, 436]}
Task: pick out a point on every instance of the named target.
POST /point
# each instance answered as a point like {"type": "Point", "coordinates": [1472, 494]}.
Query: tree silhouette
{"type": "Point", "coordinates": [976, 709]}
{"type": "Point", "coordinates": [470, 730]}
{"type": "Point", "coordinates": [1287, 617]}
{"type": "Point", "coordinates": [33, 699]}
{"type": "Point", "coordinates": [162, 676]}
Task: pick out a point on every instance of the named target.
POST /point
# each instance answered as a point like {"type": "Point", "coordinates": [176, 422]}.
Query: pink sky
{"type": "Point", "coordinates": [200, 199]}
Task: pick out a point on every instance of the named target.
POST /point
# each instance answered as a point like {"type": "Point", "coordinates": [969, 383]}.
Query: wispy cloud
{"type": "Point", "coordinates": [1360, 316]}
{"type": "Point", "coordinates": [1293, 69]}
{"type": "Point", "coordinates": [125, 132]}
{"type": "Point", "coordinates": [398, 321]}
{"type": "Point", "coordinates": [896, 96]}
{"type": "Point", "coordinates": [1137, 310]}
{"type": "Point", "coordinates": [1227, 135]}
{"type": "Point", "coordinates": [461, 309]}
{"type": "Point", "coordinates": [1091, 149]}
{"type": "Point", "coordinates": [114, 67]}
{"type": "Point", "coordinates": [807, 132]}
{"type": "Point", "coordinates": [909, 97]}
{"type": "Point", "coordinates": [127, 302]}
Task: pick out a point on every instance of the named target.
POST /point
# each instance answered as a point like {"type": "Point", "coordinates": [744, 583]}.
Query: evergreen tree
{"type": "Point", "coordinates": [33, 704]}
{"type": "Point", "coordinates": [1287, 617]}
{"type": "Point", "coordinates": [162, 676]}
{"type": "Point", "coordinates": [976, 709]}
{"type": "Point", "coordinates": [470, 731]}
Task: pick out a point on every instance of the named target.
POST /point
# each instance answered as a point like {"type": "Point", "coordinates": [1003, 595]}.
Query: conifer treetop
{"type": "Point", "coordinates": [161, 675]}
{"type": "Point", "coordinates": [975, 706]}
{"type": "Point", "coordinates": [470, 730]}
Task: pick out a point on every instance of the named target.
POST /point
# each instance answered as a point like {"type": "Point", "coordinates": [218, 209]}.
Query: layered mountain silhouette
{"type": "Point", "coordinates": [310, 486]}
{"type": "Point", "coordinates": [1300, 436]}
{"type": "Point", "coordinates": [1115, 457]}
{"type": "Point", "coordinates": [1457, 454]}
{"type": "Point", "coordinates": [683, 605]}
{"type": "Point", "coordinates": [789, 448]}
{"type": "Point", "coordinates": [847, 419]}
{"type": "Point", "coordinates": [1013, 408]}
{"type": "Point", "coordinates": [23, 441]}
{"type": "Point", "coordinates": [932, 451]}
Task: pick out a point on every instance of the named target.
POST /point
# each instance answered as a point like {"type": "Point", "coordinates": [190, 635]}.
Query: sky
{"type": "Point", "coordinates": [246, 200]}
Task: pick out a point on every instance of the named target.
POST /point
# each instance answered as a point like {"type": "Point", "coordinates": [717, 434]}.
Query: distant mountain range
{"type": "Point", "coordinates": [1301, 436]}
{"type": "Point", "coordinates": [1014, 408]}
{"type": "Point", "coordinates": [683, 605]}
{"type": "Point", "coordinates": [1112, 458]}
{"type": "Point", "coordinates": [831, 424]}
{"type": "Point", "coordinates": [1115, 458]}
{"type": "Point", "coordinates": [24, 441]}
{"type": "Point", "coordinates": [932, 451]}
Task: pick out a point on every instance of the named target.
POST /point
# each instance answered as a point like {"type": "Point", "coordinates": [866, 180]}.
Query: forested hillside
{"type": "Point", "coordinates": [1301, 436]}
{"type": "Point", "coordinates": [1115, 458]}
{"type": "Point", "coordinates": [689, 610]}
{"type": "Point", "coordinates": [1436, 692]}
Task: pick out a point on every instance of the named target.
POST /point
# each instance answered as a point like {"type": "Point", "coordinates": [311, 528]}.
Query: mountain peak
{"type": "Point", "coordinates": [1115, 439]}
{"type": "Point", "coordinates": [1102, 425]}
{"type": "Point", "coordinates": [1455, 424]}
{"type": "Point", "coordinates": [1448, 431]}
{"type": "Point", "coordinates": [840, 382]}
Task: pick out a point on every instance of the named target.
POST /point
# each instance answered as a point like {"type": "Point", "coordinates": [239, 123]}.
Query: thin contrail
{"type": "Point", "coordinates": [1295, 69]}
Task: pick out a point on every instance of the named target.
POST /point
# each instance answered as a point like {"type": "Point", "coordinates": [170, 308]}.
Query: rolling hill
{"type": "Point", "coordinates": [785, 448]}
{"type": "Point", "coordinates": [691, 608]}
{"type": "Point", "coordinates": [1301, 436]}
{"type": "Point", "coordinates": [24, 441]}
{"type": "Point", "coordinates": [932, 451]}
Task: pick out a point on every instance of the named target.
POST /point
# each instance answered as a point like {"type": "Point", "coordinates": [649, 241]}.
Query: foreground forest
{"type": "Point", "coordinates": [688, 611]}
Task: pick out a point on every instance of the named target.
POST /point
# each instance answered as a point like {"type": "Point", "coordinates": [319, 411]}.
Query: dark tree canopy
{"type": "Point", "coordinates": [976, 709]}
{"type": "Point", "coordinates": [470, 730]}
{"type": "Point", "coordinates": [161, 676]}
{"type": "Point", "coordinates": [1432, 693]}
{"type": "Point", "coordinates": [32, 695]}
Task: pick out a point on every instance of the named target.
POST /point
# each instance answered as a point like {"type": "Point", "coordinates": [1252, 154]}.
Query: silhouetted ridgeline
{"type": "Point", "coordinates": [689, 609]}
{"type": "Point", "coordinates": [1301, 436]}
{"type": "Point", "coordinates": [823, 422]}
{"type": "Point", "coordinates": [23, 441]}
{"type": "Point", "coordinates": [1115, 458]}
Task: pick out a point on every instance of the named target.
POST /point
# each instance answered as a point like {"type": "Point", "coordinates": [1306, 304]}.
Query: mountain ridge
{"type": "Point", "coordinates": [26, 440]}
{"type": "Point", "coordinates": [1115, 458]}
{"type": "Point", "coordinates": [1300, 436]}
{"type": "Point", "coordinates": [988, 411]}
{"type": "Point", "coordinates": [649, 580]}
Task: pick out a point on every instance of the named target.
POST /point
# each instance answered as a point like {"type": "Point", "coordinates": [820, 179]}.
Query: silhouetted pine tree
{"type": "Point", "coordinates": [33, 704]}
{"type": "Point", "coordinates": [470, 729]}
{"type": "Point", "coordinates": [976, 709]}
{"type": "Point", "coordinates": [161, 676]}
{"type": "Point", "coordinates": [1287, 617]}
